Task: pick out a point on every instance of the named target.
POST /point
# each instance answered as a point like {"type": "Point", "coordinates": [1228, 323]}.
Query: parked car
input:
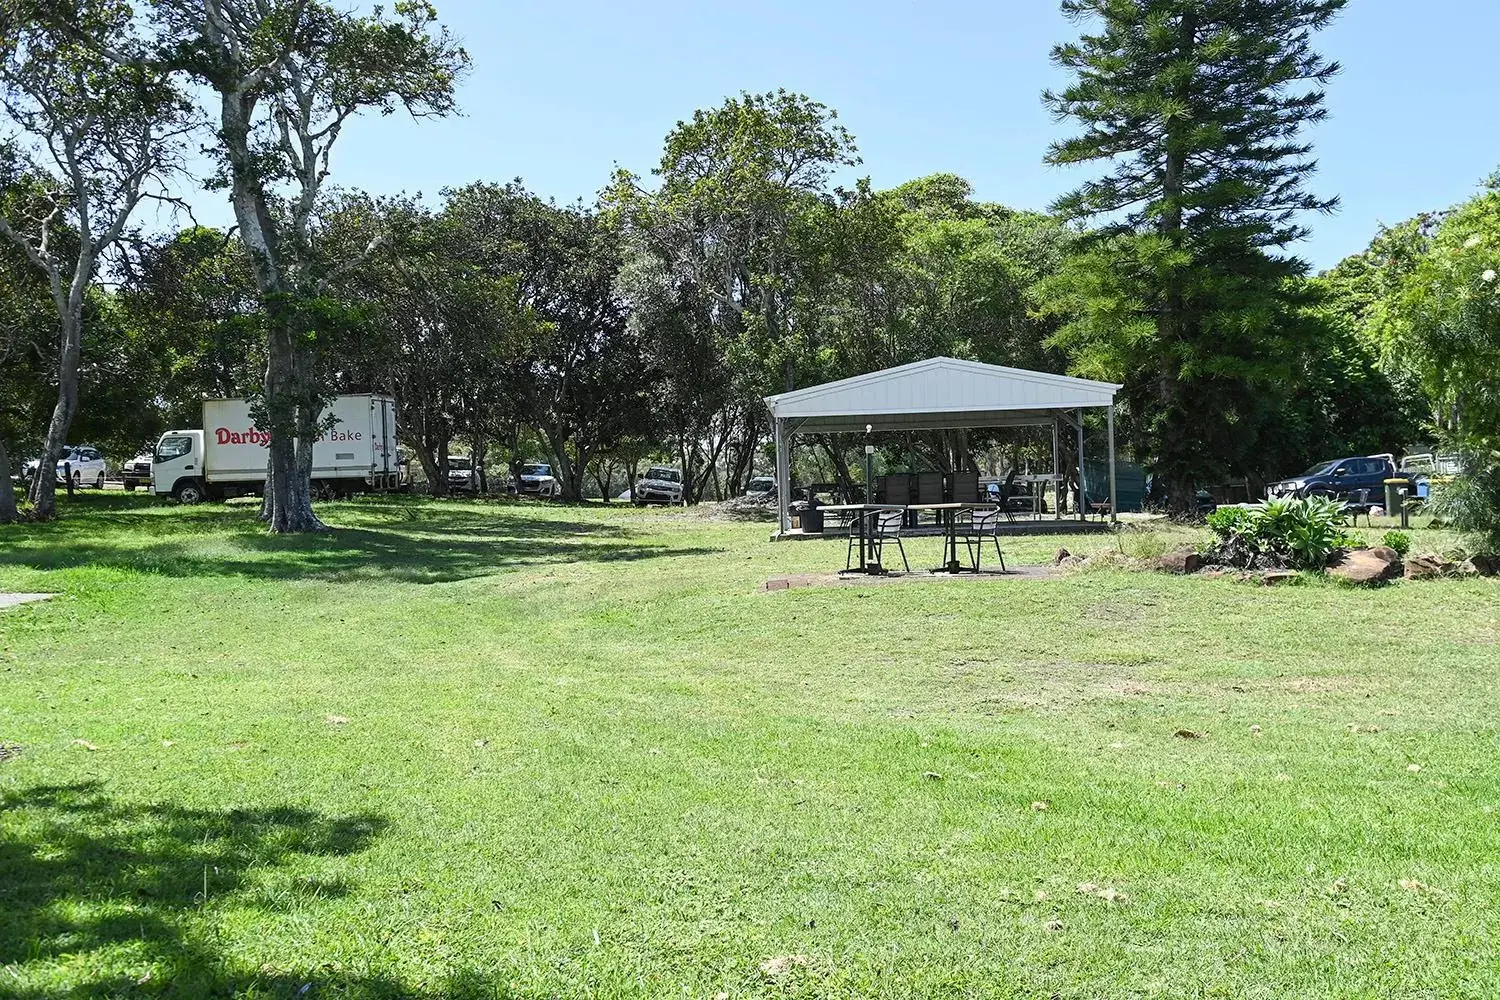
{"type": "Point", "coordinates": [761, 488]}
{"type": "Point", "coordinates": [659, 484]}
{"type": "Point", "coordinates": [136, 472]}
{"type": "Point", "coordinates": [461, 477]}
{"type": "Point", "coordinates": [1359, 480]}
{"type": "Point", "coordinates": [86, 465]}
{"type": "Point", "coordinates": [537, 481]}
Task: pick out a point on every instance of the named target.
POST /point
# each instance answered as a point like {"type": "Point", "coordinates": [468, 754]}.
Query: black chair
{"type": "Point", "coordinates": [884, 526]}
{"type": "Point", "coordinates": [1007, 494]}
{"type": "Point", "coordinates": [982, 525]}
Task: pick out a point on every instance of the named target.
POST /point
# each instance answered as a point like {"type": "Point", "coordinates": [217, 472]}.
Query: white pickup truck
{"type": "Point", "coordinates": [228, 456]}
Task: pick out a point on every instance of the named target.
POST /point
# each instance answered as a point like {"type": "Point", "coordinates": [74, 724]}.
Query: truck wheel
{"type": "Point", "coordinates": [188, 493]}
{"type": "Point", "coordinates": [129, 486]}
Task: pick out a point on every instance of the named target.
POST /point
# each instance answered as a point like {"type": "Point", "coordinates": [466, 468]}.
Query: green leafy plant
{"type": "Point", "coordinates": [1471, 504]}
{"type": "Point", "coordinates": [1398, 540]}
{"type": "Point", "coordinates": [1297, 532]}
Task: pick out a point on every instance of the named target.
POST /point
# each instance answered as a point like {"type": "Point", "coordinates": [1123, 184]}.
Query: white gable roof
{"type": "Point", "coordinates": [936, 393]}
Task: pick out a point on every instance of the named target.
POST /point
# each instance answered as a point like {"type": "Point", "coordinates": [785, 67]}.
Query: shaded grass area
{"type": "Point", "coordinates": [458, 750]}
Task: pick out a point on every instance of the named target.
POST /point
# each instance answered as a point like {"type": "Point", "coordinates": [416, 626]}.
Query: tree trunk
{"type": "Point", "coordinates": [481, 481]}
{"type": "Point", "coordinates": [287, 507]}
{"type": "Point", "coordinates": [44, 488]}
{"type": "Point", "coordinates": [8, 512]}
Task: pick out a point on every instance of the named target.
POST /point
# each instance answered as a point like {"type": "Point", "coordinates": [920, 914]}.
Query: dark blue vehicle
{"type": "Point", "coordinates": [1358, 481]}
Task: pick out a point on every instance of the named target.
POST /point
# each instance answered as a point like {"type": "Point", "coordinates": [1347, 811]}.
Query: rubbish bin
{"type": "Point", "coordinates": [809, 517]}
{"type": "Point", "coordinates": [812, 519]}
{"type": "Point", "coordinates": [1396, 491]}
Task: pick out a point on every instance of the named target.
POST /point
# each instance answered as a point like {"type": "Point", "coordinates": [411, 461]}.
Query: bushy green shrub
{"type": "Point", "coordinates": [1470, 504]}
{"type": "Point", "coordinates": [1297, 532]}
{"type": "Point", "coordinates": [1398, 540]}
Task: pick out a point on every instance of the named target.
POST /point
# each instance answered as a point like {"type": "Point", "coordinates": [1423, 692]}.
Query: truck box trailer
{"type": "Point", "coordinates": [227, 457]}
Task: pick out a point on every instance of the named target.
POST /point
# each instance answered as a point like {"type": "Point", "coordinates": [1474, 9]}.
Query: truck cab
{"type": "Point", "coordinates": [177, 467]}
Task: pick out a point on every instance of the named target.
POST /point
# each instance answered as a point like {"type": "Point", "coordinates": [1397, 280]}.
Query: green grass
{"type": "Point", "coordinates": [586, 755]}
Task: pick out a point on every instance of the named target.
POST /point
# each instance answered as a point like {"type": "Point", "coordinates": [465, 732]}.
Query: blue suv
{"type": "Point", "coordinates": [1356, 481]}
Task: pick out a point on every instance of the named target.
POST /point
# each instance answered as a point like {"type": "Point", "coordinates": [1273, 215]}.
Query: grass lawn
{"type": "Point", "coordinates": [465, 750]}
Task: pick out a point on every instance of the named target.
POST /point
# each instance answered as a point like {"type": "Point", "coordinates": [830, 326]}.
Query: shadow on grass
{"type": "Point", "coordinates": [412, 541]}
{"type": "Point", "coordinates": [101, 898]}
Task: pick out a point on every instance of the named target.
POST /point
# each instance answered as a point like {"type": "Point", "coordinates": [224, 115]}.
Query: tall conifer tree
{"type": "Point", "coordinates": [1199, 106]}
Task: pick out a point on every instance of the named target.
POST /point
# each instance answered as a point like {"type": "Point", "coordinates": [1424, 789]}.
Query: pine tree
{"type": "Point", "coordinates": [1182, 290]}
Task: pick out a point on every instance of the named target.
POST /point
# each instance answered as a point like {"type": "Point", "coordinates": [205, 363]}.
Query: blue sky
{"type": "Point", "coordinates": [562, 91]}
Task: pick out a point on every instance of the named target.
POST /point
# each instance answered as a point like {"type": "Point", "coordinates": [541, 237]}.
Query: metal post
{"type": "Point", "coordinates": [1056, 464]}
{"type": "Point", "coordinates": [783, 477]}
{"type": "Point", "coordinates": [1082, 486]}
{"type": "Point", "coordinates": [1114, 504]}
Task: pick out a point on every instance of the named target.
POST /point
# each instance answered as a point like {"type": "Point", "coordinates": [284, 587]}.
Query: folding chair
{"type": "Point", "coordinates": [983, 524]}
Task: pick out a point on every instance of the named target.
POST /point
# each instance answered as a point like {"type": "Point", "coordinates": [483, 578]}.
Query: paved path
{"type": "Point", "coordinates": [11, 600]}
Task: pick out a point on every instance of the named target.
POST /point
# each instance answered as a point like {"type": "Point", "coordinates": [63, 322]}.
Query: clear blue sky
{"type": "Point", "coordinates": [561, 91]}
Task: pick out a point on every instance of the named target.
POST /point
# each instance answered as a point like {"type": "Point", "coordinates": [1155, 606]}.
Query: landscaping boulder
{"type": "Point", "coordinates": [1061, 557]}
{"type": "Point", "coordinates": [1182, 560]}
{"type": "Point", "coordinates": [1427, 567]}
{"type": "Point", "coordinates": [1366, 566]}
{"type": "Point", "coordinates": [1482, 566]}
{"type": "Point", "coordinates": [1276, 577]}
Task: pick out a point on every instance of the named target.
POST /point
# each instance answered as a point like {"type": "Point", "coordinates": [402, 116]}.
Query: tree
{"type": "Point", "coordinates": [1442, 319]}
{"type": "Point", "coordinates": [587, 387]}
{"type": "Point", "coordinates": [447, 338]}
{"type": "Point", "coordinates": [737, 185]}
{"type": "Point", "coordinates": [725, 252]}
{"type": "Point", "coordinates": [27, 327]}
{"type": "Point", "coordinates": [92, 136]}
{"type": "Point", "coordinates": [287, 76]}
{"type": "Point", "coordinates": [1198, 104]}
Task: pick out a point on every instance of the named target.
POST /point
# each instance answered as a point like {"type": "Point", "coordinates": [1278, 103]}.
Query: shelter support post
{"type": "Point", "coordinates": [1083, 495]}
{"type": "Point", "coordinates": [783, 477]}
{"type": "Point", "coordinates": [1056, 470]}
{"type": "Point", "coordinates": [1114, 511]}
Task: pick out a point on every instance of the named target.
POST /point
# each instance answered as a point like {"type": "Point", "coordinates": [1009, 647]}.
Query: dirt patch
{"type": "Point", "coordinates": [799, 580]}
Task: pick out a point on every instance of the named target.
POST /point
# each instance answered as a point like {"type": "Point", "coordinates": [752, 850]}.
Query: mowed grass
{"type": "Point", "coordinates": [466, 750]}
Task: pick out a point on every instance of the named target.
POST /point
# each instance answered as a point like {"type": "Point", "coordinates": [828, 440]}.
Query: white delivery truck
{"type": "Point", "coordinates": [228, 456]}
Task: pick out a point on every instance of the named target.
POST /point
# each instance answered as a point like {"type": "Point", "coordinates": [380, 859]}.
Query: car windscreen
{"type": "Point", "coordinates": [1321, 469]}
{"type": "Point", "coordinates": [536, 470]}
{"type": "Point", "coordinates": [174, 446]}
{"type": "Point", "coordinates": [665, 475]}
{"type": "Point", "coordinates": [459, 465]}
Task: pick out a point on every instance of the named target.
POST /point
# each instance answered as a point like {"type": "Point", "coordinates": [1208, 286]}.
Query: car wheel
{"type": "Point", "coordinates": [129, 486]}
{"type": "Point", "coordinates": [188, 493]}
{"type": "Point", "coordinates": [99, 483]}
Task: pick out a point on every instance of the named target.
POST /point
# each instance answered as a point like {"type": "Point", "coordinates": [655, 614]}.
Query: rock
{"type": "Point", "coordinates": [1182, 560]}
{"type": "Point", "coordinates": [1426, 567]}
{"type": "Point", "coordinates": [1483, 565]}
{"type": "Point", "coordinates": [1366, 567]}
{"type": "Point", "coordinates": [1276, 577]}
{"type": "Point", "coordinates": [1062, 556]}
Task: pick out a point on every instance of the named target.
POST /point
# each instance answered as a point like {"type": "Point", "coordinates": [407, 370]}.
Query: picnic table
{"type": "Point", "coordinates": [861, 514]}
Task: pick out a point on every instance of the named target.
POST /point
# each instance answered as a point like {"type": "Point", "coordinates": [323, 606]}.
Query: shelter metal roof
{"type": "Point", "coordinates": [936, 394]}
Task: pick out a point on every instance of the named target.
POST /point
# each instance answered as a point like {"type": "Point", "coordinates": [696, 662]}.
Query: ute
{"type": "Point", "coordinates": [1358, 481]}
